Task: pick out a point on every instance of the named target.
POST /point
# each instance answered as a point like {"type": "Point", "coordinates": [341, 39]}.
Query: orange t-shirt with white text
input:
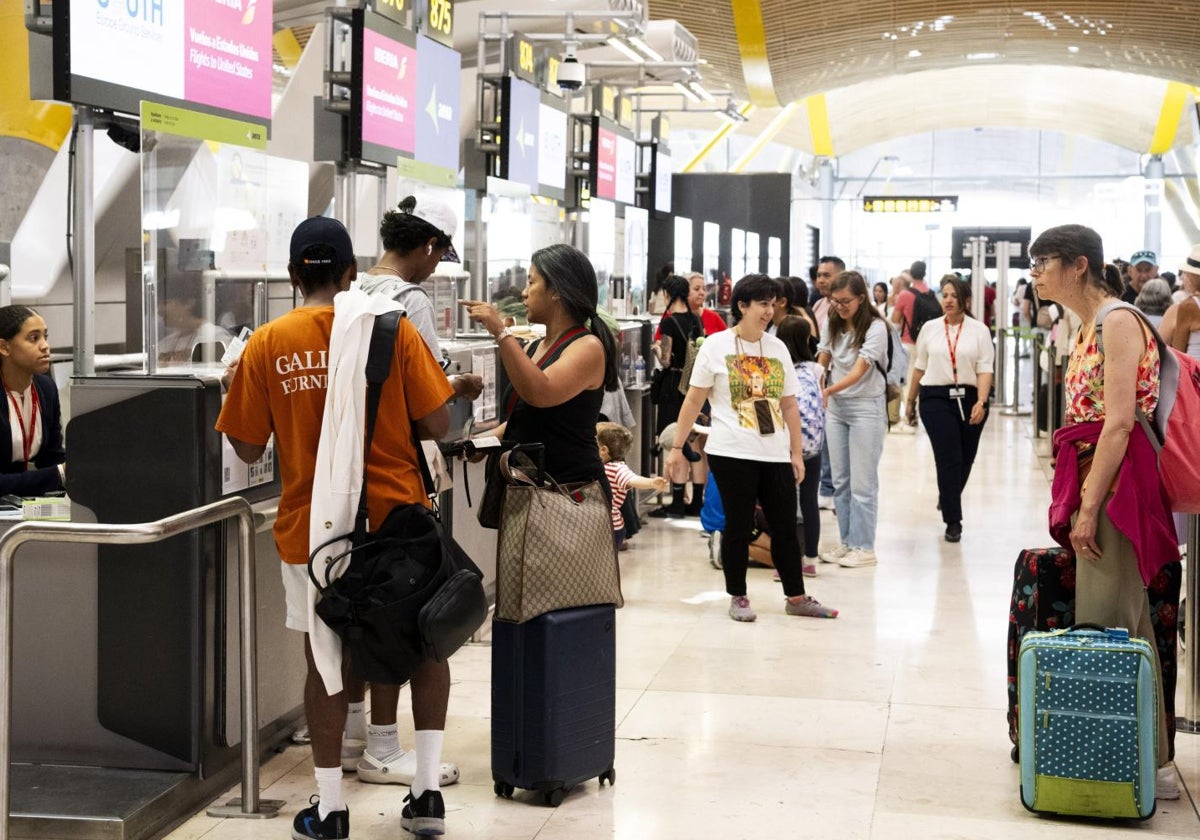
{"type": "Point", "coordinates": [280, 388]}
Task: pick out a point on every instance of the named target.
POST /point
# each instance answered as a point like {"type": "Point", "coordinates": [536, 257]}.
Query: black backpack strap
{"type": "Point", "coordinates": [380, 352]}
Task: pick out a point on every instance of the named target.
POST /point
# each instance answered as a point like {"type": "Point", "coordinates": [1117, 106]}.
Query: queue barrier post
{"type": "Point", "coordinates": [249, 806]}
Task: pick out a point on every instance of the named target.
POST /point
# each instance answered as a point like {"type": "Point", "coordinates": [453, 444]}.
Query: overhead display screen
{"type": "Point", "coordinates": [626, 187]}
{"type": "Point", "coordinates": [519, 133]}
{"type": "Point", "coordinates": [552, 149]}
{"type": "Point", "coordinates": [438, 95]}
{"type": "Point", "coordinates": [383, 91]}
{"type": "Point", "coordinates": [604, 159]}
{"type": "Point", "coordinates": [210, 55]}
{"type": "Point", "coordinates": [662, 179]}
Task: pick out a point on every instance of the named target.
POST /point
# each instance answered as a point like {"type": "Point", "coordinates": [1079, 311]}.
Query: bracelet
{"type": "Point", "coordinates": [680, 448]}
{"type": "Point", "coordinates": [505, 333]}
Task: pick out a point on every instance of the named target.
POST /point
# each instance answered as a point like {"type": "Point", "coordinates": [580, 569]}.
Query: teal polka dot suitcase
{"type": "Point", "coordinates": [1088, 708]}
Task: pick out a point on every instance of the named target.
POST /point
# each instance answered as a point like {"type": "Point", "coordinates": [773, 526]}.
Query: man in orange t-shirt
{"type": "Point", "coordinates": [279, 387]}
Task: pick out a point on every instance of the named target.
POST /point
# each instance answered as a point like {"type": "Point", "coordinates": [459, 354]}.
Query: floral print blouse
{"type": "Point", "coordinates": [1084, 381]}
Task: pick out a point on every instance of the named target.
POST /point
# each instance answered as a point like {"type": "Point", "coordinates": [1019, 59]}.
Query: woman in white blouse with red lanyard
{"type": "Point", "coordinates": [35, 462]}
{"type": "Point", "coordinates": [953, 368]}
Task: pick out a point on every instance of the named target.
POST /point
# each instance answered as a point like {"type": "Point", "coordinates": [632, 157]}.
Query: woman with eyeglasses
{"type": "Point", "coordinates": [1107, 503]}
{"type": "Point", "coordinates": [953, 375]}
{"type": "Point", "coordinates": [856, 420]}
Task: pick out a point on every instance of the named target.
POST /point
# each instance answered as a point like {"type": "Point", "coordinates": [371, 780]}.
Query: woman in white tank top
{"type": "Point", "coordinates": [1180, 325]}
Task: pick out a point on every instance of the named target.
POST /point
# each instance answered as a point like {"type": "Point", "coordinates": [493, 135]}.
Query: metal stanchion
{"type": "Point", "coordinates": [1014, 409]}
{"type": "Point", "coordinates": [249, 806]}
{"type": "Point", "coordinates": [1037, 381]}
{"type": "Point", "coordinates": [1190, 722]}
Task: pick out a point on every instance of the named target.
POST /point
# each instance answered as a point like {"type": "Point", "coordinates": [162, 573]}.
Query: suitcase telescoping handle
{"type": "Point", "coordinates": [1119, 634]}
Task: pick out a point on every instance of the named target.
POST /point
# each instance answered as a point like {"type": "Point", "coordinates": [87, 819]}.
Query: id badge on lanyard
{"type": "Point", "coordinates": [957, 392]}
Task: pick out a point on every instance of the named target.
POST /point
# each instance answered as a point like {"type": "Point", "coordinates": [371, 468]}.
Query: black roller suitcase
{"type": "Point", "coordinates": [554, 701]}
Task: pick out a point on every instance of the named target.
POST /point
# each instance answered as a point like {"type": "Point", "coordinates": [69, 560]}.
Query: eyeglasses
{"type": "Point", "coordinates": [1039, 265]}
{"type": "Point", "coordinates": [842, 304]}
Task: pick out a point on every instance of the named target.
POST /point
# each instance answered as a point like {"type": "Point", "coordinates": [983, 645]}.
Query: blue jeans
{"type": "Point", "coordinates": [854, 429]}
{"type": "Point", "coordinates": [826, 470]}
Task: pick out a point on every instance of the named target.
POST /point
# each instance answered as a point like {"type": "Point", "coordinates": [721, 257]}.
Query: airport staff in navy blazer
{"type": "Point", "coordinates": [32, 459]}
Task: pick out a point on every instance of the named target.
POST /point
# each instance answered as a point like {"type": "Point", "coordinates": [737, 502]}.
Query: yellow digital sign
{"type": "Point", "coordinates": [910, 203]}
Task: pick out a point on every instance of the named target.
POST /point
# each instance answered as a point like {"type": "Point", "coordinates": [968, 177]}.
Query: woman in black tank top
{"type": "Point", "coordinates": [556, 387]}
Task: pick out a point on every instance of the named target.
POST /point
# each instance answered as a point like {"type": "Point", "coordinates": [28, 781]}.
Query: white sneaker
{"type": "Point", "coordinates": [400, 770]}
{"type": "Point", "coordinates": [824, 502]}
{"type": "Point", "coordinates": [1167, 783]}
{"type": "Point", "coordinates": [352, 751]}
{"type": "Point", "coordinates": [857, 558]}
{"type": "Point", "coordinates": [714, 549]}
{"type": "Point", "coordinates": [834, 554]}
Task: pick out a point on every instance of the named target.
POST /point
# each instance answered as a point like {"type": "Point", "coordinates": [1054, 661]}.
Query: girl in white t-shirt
{"type": "Point", "coordinates": [754, 444]}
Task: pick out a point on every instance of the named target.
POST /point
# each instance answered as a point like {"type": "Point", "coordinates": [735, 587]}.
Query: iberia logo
{"type": "Point", "coordinates": [248, 17]}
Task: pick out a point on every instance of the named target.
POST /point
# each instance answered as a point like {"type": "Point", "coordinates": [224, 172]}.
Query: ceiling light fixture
{"type": "Point", "coordinates": [914, 53]}
{"type": "Point", "coordinates": [646, 49]}
{"type": "Point", "coordinates": [982, 56]}
{"type": "Point", "coordinates": [626, 50]}
{"type": "Point", "coordinates": [687, 91]}
{"type": "Point", "coordinates": [1072, 49]}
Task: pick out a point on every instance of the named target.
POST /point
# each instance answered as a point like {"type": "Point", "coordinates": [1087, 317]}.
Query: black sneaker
{"type": "Point", "coordinates": [954, 532]}
{"type": "Point", "coordinates": [424, 815]}
{"type": "Point", "coordinates": [308, 824]}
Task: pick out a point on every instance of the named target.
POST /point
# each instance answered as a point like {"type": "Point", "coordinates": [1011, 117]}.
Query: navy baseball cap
{"type": "Point", "coordinates": [321, 230]}
{"type": "Point", "coordinates": [1148, 257]}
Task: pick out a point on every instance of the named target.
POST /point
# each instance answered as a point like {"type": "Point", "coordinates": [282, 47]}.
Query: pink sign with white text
{"type": "Point", "coordinates": [606, 164]}
{"type": "Point", "coordinates": [228, 55]}
{"type": "Point", "coordinates": [389, 96]}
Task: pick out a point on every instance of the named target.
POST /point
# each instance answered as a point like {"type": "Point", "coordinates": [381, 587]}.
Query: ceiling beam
{"type": "Point", "coordinates": [818, 124]}
{"type": "Point", "coordinates": [1174, 102]}
{"type": "Point", "coordinates": [768, 134]}
{"type": "Point", "coordinates": [752, 44]}
{"type": "Point", "coordinates": [718, 135]}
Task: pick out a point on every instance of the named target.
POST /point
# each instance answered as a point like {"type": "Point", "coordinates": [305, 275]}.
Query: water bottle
{"type": "Point", "coordinates": [626, 370]}
{"type": "Point", "coordinates": [639, 372]}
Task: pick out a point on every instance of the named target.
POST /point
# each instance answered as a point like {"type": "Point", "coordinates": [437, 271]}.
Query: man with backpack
{"type": "Point", "coordinates": [914, 306]}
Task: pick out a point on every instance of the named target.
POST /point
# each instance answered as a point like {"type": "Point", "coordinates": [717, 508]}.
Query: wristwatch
{"type": "Point", "coordinates": [505, 333]}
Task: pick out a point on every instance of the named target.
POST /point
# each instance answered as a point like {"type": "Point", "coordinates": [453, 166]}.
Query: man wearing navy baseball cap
{"type": "Point", "coordinates": [1143, 266]}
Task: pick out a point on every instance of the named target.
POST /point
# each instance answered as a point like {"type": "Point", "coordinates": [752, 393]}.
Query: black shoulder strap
{"type": "Point", "coordinates": [380, 353]}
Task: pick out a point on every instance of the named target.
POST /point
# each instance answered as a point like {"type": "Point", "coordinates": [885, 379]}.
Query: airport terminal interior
{"type": "Point", "coordinates": [155, 159]}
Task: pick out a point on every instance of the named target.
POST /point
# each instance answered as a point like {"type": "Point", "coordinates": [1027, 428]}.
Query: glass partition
{"type": "Point", "coordinates": [508, 221]}
{"type": "Point", "coordinates": [712, 252]}
{"type": "Point", "coordinates": [602, 243]}
{"type": "Point", "coordinates": [752, 255]}
{"type": "Point", "coordinates": [737, 254]}
{"type": "Point", "coordinates": [683, 246]}
{"type": "Point", "coordinates": [774, 255]}
{"type": "Point", "coordinates": [217, 220]}
{"type": "Point", "coordinates": [637, 258]}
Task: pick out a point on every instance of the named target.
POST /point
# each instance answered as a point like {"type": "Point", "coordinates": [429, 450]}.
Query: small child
{"type": "Point", "coordinates": [614, 441]}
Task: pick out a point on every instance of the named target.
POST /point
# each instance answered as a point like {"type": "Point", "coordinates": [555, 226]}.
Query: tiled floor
{"type": "Point", "coordinates": [887, 722]}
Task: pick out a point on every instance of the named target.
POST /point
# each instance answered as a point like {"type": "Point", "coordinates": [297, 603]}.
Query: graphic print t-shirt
{"type": "Point", "coordinates": [747, 389]}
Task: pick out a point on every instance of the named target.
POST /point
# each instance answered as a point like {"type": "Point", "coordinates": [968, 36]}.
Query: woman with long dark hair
{"type": "Point", "coordinates": [35, 463]}
{"type": "Point", "coordinates": [557, 385]}
{"type": "Point", "coordinates": [796, 334]}
{"type": "Point", "coordinates": [854, 350]}
{"type": "Point", "coordinates": [679, 328]}
{"type": "Point", "coordinates": [953, 370]}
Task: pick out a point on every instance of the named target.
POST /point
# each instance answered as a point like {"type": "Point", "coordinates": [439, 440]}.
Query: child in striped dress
{"type": "Point", "coordinates": [614, 441]}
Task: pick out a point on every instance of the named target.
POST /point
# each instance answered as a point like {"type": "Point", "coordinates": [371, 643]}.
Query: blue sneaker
{"type": "Point", "coordinates": [424, 814]}
{"type": "Point", "coordinates": [308, 824]}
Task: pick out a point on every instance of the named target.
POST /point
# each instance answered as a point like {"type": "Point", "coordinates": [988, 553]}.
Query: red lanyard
{"type": "Point", "coordinates": [953, 348]}
{"type": "Point", "coordinates": [26, 434]}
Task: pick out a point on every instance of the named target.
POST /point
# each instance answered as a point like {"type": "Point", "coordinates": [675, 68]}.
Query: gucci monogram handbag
{"type": "Point", "coordinates": [555, 549]}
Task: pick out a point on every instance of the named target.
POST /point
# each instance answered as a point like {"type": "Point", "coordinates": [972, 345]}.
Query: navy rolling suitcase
{"type": "Point", "coordinates": [554, 701]}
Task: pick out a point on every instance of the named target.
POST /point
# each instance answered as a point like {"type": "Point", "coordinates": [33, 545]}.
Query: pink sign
{"type": "Point", "coordinates": [389, 93]}
{"type": "Point", "coordinates": [606, 164]}
{"type": "Point", "coordinates": [227, 46]}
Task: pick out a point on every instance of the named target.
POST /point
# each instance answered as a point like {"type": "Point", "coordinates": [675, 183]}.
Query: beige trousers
{"type": "Point", "coordinates": [1110, 592]}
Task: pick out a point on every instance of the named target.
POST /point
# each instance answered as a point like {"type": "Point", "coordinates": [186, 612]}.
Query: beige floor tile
{"type": "Point", "coordinates": [886, 723]}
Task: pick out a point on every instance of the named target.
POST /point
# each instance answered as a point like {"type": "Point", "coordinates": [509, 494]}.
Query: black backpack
{"type": "Point", "coordinates": [925, 308]}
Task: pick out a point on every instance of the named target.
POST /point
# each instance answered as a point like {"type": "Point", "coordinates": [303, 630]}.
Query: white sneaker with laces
{"type": "Point", "coordinates": [824, 502]}
{"type": "Point", "coordinates": [857, 558]}
{"type": "Point", "coordinates": [1167, 784]}
{"type": "Point", "coordinates": [834, 554]}
{"type": "Point", "coordinates": [400, 770]}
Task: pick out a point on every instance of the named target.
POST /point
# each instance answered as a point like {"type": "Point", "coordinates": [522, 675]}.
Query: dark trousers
{"type": "Point", "coordinates": [740, 483]}
{"type": "Point", "coordinates": [954, 442]}
{"type": "Point", "coordinates": [810, 514]}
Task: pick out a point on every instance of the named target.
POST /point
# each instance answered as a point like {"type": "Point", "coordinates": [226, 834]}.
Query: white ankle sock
{"type": "Point", "coordinates": [329, 788]}
{"type": "Point", "coordinates": [356, 721]}
{"type": "Point", "coordinates": [383, 742]}
{"type": "Point", "coordinates": [429, 761]}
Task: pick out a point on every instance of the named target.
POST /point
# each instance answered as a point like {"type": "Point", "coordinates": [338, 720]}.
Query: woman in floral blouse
{"type": "Point", "coordinates": [1108, 505]}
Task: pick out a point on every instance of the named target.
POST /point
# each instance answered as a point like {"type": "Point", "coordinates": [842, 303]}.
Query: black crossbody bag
{"type": "Point", "coordinates": [409, 594]}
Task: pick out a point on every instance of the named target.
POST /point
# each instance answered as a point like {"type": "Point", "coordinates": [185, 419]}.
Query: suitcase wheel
{"type": "Point", "coordinates": [554, 797]}
{"type": "Point", "coordinates": [610, 776]}
{"type": "Point", "coordinates": [503, 789]}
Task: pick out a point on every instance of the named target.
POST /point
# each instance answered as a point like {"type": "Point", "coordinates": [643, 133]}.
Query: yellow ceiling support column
{"type": "Point", "coordinates": [818, 124]}
{"type": "Point", "coordinates": [45, 123]}
{"type": "Point", "coordinates": [719, 135]}
{"type": "Point", "coordinates": [752, 44]}
{"type": "Point", "coordinates": [288, 47]}
{"type": "Point", "coordinates": [767, 135]}
{"type": "Point", "coordinates": [1174, 102]}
